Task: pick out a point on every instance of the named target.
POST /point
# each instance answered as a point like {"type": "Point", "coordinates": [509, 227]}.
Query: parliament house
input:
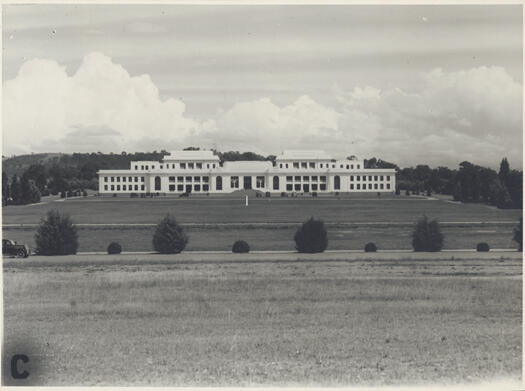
{"type": "Point", "coordinates": [200, 172]}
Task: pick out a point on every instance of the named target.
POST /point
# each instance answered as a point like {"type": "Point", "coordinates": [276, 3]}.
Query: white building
{"type": "Point", "coordinates": [201, 172]}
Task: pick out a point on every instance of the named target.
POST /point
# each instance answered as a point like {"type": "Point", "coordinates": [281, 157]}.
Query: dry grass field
{"type": "Point", "coordinates": [266, 323]}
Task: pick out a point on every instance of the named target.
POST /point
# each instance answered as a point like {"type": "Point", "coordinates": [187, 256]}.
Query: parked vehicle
{"type": "Point", "coordinates": [10, 247]}
{"type": "Point", "coordinates": [184, 195]}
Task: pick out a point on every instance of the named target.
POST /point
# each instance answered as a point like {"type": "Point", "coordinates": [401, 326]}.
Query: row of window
{"type": "Point", "coordinates": [376, 186]}
{"type": "Point", "coordinates": [306, 178]}
{"type": "Point", "coordinates": [124, 187]}
{"type": "Point", "coordinates": [370, 177]}
{"type": "Point", "coordinates": [124, 179]}
{"type": "Point", "coordinates": [187, 165]}
{"type": "Point", "coordinates": [189, 188]}
{"type": "Point", "coordinates": [348, 166]}
{"type": "Point", "coordinates": [205, 179]}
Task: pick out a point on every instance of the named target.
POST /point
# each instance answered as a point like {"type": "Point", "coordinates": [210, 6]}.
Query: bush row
{"type": "Point", "coordinates": [57, 235]}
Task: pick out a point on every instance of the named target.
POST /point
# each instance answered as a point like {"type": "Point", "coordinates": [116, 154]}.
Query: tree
{"type": "Point", "coordinates": [16, 190]}
{"type": "Point", "coordinates": [56, 235]}
{"type": "Point", "coordinates": [427, 235]}
{"type": "Point", "coordinates": [518, 235]}
{"type": "Point", "coordinates": [504, 170]}
{"type": "Point", "coordinates": [5, 188]}
{"type": "Point", "coordinates": [38, 174]}
{"type": "Point", "coordinates": [169, 236]}
{"type": "Point", "coordinates": [30, 193]}
{"type": "Point", "coordinates": [311, 237]}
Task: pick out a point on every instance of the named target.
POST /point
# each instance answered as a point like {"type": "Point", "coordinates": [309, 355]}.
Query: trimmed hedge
{"type": "Point", "coordinates": [240, 246]}
{"type": "Point", "coordinates": [370, 248]}
{"type": "Point", "coordinates": [56, 235]}
{"type": "Point", "coordinates": [169, 236]}
{"type": "Point", "coordinates": [482, 247]}
{"type": "Point", "coordinates": [311, 237]}
{"type": "Point", "coordinates": [427, 236]}
{"type": "Point", "coordinates": [114, 248]}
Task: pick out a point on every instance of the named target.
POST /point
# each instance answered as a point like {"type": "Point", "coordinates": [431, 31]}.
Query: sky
{"type": "Point", "coordinates": [409, 84]}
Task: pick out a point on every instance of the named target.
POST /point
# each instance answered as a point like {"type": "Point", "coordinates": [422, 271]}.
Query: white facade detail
{"type": "Point", "coordinates": [200, 172]}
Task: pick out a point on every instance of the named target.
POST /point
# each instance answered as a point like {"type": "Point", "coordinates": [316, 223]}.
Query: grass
{"type": "Point", "coordinates": [297, 323]}
{"type": "Point", "coordinates": [274, 210]}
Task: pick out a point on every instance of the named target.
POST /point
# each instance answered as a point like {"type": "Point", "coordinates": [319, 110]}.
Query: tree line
{"type": "Point", "coordinates": [26, 178]}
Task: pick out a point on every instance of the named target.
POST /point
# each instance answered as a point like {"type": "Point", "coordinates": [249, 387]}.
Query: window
{"type": "Point", "coordinates": [382, 186]}
{"type": "Point", "coordinates": [172, 187]}
{"type": "Point", "coordinates": [157, 183]}
{"type": "Point", "coordinates": [337, 183]}
{"type": "Point", "coordinates": [136, 179]}
{"type": "Point", "coordinates": [286, 165]}
{"type": "Point", "coordinates": [199, 165]}
{"type": "Point", "coordinates": [234, 182]}
{"type": "Point", "coordinates": [172, 179]}
{"type": "Point", "coordinates": [218, 183]}
{"type": "Point", "coordinates": [358, 186]}
{"type": "Point", "coordinates": [183, 166]}
{"type": "Point", "coordinates": [370, 177]}
{"type": "Point", "coordinates": [375, 177]}
{"type": "Point", "coordinates": [147, 167]}
{"type": "Point", "coordinates": [173, 165]}
{"type": "Point", "coordinates": [297, 179]}
{"type": "Point", "coordinates": [123, 179]}
{"type": "Point", "coordinates": [304, 165]}
{"type": "Point", "coordinates": [351, 178]}
{"type": "Point", "coordinates": [341, 166]}
{"type": "Point", "coordinates": [112, 187]}
{"type": "Point", "coordinates": [197, 187]}
{"type": "Point", "coordinates": [142, 179]}
{"type": "Point", "coordinates": [314, 178]}
{"type": "Point", "coordinates": [297, 187]}
{"type": "Point", "coordinates": [124, 187]}
{"type": "Point", "coordinates": [161, 166]}
{"type": "Point", "coordinates": [306, 178]}
{"type": "Point", "coordinates": [118, 179]}
{"type": "Point", "coordinates": [358, 166]}
{"type": "Point", "coordinates": [351, 186]}
{"type": "Point", "coordinates": [105, 179]}
{"type": "Point", "coordinates": [358, 177]}
{"type": "Point", "coordinates": [280, 165]}
{"type": "Point", "coordinates": [118, 187]}
{"type": "Point", "coordinates": [364, 178]}
{"type": "Point", "coordinates": [347, 167]}
{"type": "Point", "coordinates": [388, 178]}
{"type": "Point", "coordinates": [388, 186]}
{"type": "Point", "coordinates": [180, 179]}
{"type": "Point", "coordinates": [112, 179]}
{"type": "Point", "coordinates": [375, 186]}
{"type": "Point", "coordinates": [180, 187]}
{"type": "Point", "coordinates": [196, 179]}
{"type": "Point", "coordinates": [142, 167]}
{"type": "Point", "coordinates": [136, 187]}
{"type": "Point", "coordinates": [136, 167]}
{"type": "Point", "coordinates": [321, 165]}
{"type": "Point", "coordinates": [289, 178]}
{"type": "Point", "coordinates": [208, 165]}
{"type": "Point", "coordinates": [311, 164]}
{"type": "Point", "coordinates": [188, 179]}
{"type": "Point", "coordinates": [213, 165]}
{"type": "Point", "coordinates": [276, 183]}
{"type": "Point", "coordinates": [296, 165]}
{"type": "Point", "coordinates": [352, 166]}
{"type": "Point", "coordinates": [130, 179]}
{"type": "Point", "coordinates": [141, 187]}
{"type": "Point", "coordinates": [190, 166]}
{"type": "Point", "coordinates": [205, 187]}
{"type": "Point", "coordinates": [323, 178]}
{"type": "Point", "coordinates": [322, 186]}
{"type": "Point", "coordinates": [314, 186]}
{"type": "Point", "coordinates": [205, 179]}
{"type": "Point", "coordinates": [259, 182]}
{"type": "Point", "coordinates": [289, 187]}
{"type": "Point", "coordinates": [382, 178]}
{"type": "Point", "coordinates": [369, 186]}
{"type": "Point", "coordinates": [105, 187]}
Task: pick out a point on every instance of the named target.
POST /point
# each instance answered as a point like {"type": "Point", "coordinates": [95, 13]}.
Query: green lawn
{"type": "Point", "coordinates": [295, 323]}
{"type": "Point", "coordinates": [225, 210]}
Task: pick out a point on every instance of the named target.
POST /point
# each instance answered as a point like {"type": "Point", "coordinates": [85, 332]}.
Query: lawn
{"type": "Point", "coordinates": [93, 210]}
{"type": "Point", "coordinates": [266, 323]}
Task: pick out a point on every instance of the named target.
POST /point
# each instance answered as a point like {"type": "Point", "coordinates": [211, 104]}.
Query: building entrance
{"type": "Point", "coordinates": [306, 188]}
{"type": "Point", "coordinates": [188, 189]}
{"type": "Point", "coordinates": [247, 183]}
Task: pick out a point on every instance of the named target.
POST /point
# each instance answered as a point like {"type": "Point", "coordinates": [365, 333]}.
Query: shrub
{"type": "Point", "coordinates": [429, 193]}
{"type": "Point", "coordinates": [114, 194]}
{"type": "Point", "coordinates": [283, 194]}
{"type": "Point", "coordinates": [482, 247]}
{"type": "Point", "coordinates": [56, 235]}
{"type": "Point", "coordinates": [427, 235]}
{"type": "Point", "coordinates": [62, 194]}
{"type": "Point", "coordinates": [240, 246]}
{"type": "Point", "coordinates": [169, 236]}
{"type": "Point", "coordinates": [370, 248]}
{"type": "Point", "coordinates": [84, 193]}
{"type": "Point", "coordinates": [311, 237]}
{"type": "Point", "coordinates": [518, 235]}
{"type": "Point", "coordinates": [114, 248]}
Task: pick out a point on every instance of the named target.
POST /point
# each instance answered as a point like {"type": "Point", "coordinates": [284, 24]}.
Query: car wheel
{"type": "Point", "coordinates": [21, 254]}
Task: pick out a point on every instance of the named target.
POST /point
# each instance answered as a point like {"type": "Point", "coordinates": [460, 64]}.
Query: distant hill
{"type": "Point", "coordinates": [19, 164]}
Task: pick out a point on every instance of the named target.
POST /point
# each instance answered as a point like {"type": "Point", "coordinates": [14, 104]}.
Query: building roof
{"type": "Point", "coordinates": [191, 155]}
{"type": "Point", "coordinates": [304, 155]}
{"type": "Point", "coordinates": [244, 166]}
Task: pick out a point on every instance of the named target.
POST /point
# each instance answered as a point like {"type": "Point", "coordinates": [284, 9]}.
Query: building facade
{"type": "Point", "coordinates": [200, 172]}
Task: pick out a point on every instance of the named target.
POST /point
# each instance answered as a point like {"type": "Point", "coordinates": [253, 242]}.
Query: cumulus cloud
{"type": "Point", "coordinates": [448, 117]}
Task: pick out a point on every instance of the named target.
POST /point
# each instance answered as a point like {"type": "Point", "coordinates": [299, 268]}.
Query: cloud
{"type": "Point", "coordinates": [445, 118]}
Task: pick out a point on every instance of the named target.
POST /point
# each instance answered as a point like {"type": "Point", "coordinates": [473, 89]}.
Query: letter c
{"type": "Point", "coordinates": [14, 366]}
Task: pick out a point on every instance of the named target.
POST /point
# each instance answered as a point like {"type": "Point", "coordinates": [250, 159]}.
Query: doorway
{"type": "Point", "coordinates": [247, 183]}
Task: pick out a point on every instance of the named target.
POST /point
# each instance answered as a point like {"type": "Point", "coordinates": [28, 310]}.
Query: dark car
{"type": "Point", "coordinates": [10, 247]}
{"type": "Point", "coordinates": [184, 195]}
